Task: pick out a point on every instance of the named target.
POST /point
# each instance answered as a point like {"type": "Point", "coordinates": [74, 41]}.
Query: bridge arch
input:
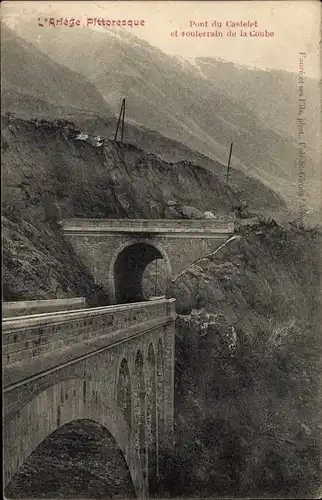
{"type": "Point", "coordinates": [47, 411]}
{"type": "Point", "coordinates": [139, 415]}
{"type": "Point", "coordinates": [80, 458]}
{"type": "Point", "coordinates": [127, 266]}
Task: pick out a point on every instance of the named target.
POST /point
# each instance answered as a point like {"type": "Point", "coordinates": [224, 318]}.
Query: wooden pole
{"type": "Point", "coordinates": [121, 117]}
{"type": "Point", "coordinates": [117, 127]}
{"type": "Point", "coordinates": [230, 152]}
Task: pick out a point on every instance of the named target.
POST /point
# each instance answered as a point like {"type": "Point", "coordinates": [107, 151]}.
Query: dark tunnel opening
{"type": "Point", "coordinates": [131, 281]}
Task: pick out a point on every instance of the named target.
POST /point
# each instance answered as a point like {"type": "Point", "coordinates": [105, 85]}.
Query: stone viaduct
{"type": "Point", "coordinates": [113, 365]}
{"type": "Point", "coordinates": [116, 251]}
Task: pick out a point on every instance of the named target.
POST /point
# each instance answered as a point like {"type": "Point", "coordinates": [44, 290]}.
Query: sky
{"type": "Point", "coordinates": [296, 25]}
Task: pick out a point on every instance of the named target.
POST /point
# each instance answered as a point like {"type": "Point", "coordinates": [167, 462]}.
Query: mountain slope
{"type": "Point", "coordinates": [276, 91]}
{"type": "Point", "coordinates": [25, 93]}
{"type": "Point", "coordinates": [258, 197]}
{"type": "Point", "coordinates": [48, 173]}
{"type": "Point", "coordinates": [248, 369]}
{"type": "Point", "coordinates": [31, 80]}
{"type": "Point", "coordinates": [166, 94]}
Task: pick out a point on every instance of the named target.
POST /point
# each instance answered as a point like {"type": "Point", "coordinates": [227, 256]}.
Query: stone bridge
{"type": "Point", "coordinates": [117, 251]}
{"type": "Point", "coordinates": [113, 365]}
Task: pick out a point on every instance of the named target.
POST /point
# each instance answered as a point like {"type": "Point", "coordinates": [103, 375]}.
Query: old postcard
{"type": "Point", "coordinates": [161, 219]}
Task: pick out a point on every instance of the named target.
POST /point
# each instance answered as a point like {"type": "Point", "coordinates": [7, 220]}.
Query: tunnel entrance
{"type": "Point", "coordinates": [140, 272]}
{"type": "Point", "coordinates": [81, 459]}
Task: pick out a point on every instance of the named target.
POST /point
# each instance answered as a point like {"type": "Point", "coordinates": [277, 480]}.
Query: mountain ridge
{"type": "Point", "coordinates": [174, 99]}
{"type": "Point", "coordinates": [29, 75]}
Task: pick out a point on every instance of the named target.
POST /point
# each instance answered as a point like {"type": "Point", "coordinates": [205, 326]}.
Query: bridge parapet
{"type": "Point", "coordinates": [28, 307]}
{"type": "Point", "coordinates": [152, 226]}
{"type": "Point", "coordinates": [27, 337]}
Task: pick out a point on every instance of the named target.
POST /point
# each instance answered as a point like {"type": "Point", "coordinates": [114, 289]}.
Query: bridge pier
{"type": "Point", "coordinates": [169, 360]}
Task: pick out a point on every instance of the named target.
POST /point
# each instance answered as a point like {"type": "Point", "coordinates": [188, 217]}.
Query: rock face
{"type": "Point", "coordinates": [177, 211]}
{"type": "Point", "coordinates": [187, 212]}
{"type": "Point", "coordinates": [247, 367]}
{"type": "Point", "coordinates": [257, 195]}
{"type": "Point", "coordinates": [209, 215]}
{"type": "Point", "coordinates": [39, 264]}
{"type": "Point", "coordinates": [213, 330]}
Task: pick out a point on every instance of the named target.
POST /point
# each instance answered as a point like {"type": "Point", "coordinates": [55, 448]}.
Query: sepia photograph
{"type": "Point", "coordinates": [161, 249]}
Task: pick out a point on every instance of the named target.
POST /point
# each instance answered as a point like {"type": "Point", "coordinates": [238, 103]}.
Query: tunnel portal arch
{"type": "Point", "coordinates": [127, 268]}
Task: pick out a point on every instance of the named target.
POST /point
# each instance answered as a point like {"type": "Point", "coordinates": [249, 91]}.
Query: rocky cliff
{"type": "Point", "coordinates": [248, 368]}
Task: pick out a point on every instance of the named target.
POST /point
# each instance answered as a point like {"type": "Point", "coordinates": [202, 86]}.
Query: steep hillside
{"type": "Point", "coordinates": [172, 96]}
{"type": "Point", "coordinates": [274, 90]}
{"type": "Point", "coordinates": [49, 173]}
{"type": "Point", "coordinates": [36, 87]}
{"type": "Point", "coordinates": [31, 81]}
{"type": "Point", "coordinates": [258, 197]}
{"type": "Point", "coordinates": [248, 369]}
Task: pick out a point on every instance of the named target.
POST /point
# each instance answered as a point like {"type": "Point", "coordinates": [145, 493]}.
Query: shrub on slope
{"type": "Point", "coordinates": [249, 424]}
